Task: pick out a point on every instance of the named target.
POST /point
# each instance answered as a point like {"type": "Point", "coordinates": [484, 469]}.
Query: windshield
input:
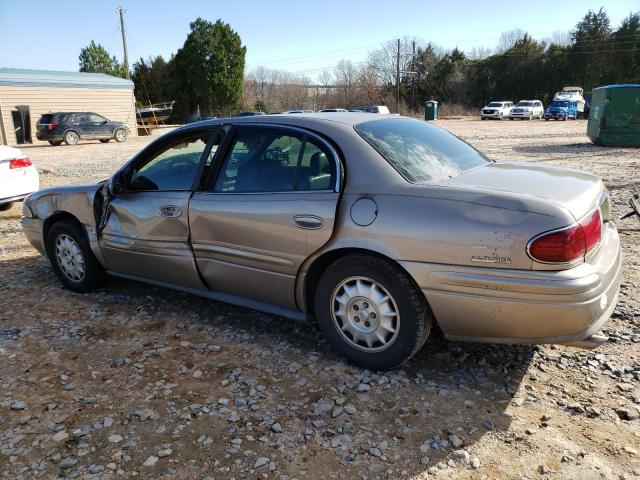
{"type": "Point", "coordinates": [559, 103]}
{"type": "Point", "coordinates": [525, 104]}
{"type": "Point", "coordinates": [420, 151]}
{"type": "Point", "coordinates": [495, 104]}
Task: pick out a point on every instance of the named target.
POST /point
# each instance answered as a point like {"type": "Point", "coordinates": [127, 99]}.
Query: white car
{"type": "Point", "coordinates": [18, 177]}
{"type": "Point", "coordinates": [496, 110]}
{"type": "Point", "coordinates": [380, 109]}
{"type": "Point", "coordinates": [529, 109]}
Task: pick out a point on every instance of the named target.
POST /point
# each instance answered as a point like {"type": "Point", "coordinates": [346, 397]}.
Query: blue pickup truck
{"type": "Point", "coordinates": [562, 110]}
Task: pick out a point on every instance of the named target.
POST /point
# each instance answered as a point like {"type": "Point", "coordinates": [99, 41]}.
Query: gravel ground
{"type": "Point", "coordinates": [141, 381]}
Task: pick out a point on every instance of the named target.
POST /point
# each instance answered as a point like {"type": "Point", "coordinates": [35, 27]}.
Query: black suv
{"type": "Point", "coordinates": [71, 127]}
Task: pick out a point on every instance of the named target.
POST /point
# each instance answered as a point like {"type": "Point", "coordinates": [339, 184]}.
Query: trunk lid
{"type": "Point", "coordinates": [578, 192]}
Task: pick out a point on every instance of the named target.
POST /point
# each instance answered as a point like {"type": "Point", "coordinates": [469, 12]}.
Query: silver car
{"type": "Point", "coordinates": [377, 228]}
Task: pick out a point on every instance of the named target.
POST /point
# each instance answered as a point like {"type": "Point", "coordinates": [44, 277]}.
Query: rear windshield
{"type": "Point", "coordinates": [46, 118]}
{"type": "Point", "coordinates": [419, 151]}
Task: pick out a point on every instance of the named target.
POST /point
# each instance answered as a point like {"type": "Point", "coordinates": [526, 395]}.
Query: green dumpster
{"type": "Point", "coordinates": [614, 118]}
{"type": "Point", "coordinates": [431, 110]}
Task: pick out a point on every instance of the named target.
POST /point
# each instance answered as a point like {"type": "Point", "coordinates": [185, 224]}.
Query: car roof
{"type": "Point", "coordinates": [309, 119]}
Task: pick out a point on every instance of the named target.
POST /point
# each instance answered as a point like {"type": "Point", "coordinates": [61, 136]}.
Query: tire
{"type": "Point", "coordinates": [482, 118]}
{"type": "Point", "coordinates": [5, 206]}
{"type": "Point", "coordinates": [104, 140]}
{"type": "Point", "coordinates": [510, 118]}
{"type": "Point", "coordinates": [55, 143]}
{"type": "Point", "coordinates": [408, 329]}
{"type": "Point", "coordinates": [71, 138]}
{"type": "Point", "coordinates": [120, 135]}
{"type": "Point", "coordinates": [72, 259]}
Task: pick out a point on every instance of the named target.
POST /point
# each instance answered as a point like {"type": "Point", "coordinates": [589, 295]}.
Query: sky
{"type": "Point", "coordinates": [297, 35]}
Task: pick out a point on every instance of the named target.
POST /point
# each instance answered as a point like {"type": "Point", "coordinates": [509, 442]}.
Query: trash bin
{"type": "Point", "coordinates": [431, 110]}
{"type": "Point", "coordinates": [614, 118]}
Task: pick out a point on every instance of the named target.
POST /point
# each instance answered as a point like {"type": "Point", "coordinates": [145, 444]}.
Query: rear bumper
{"type": "Point", "coordinates": [529, 307]}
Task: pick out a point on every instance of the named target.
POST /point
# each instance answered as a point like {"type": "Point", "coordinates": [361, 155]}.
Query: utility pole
{"type": "Point", "coordinates": [413, 77]}
{"type": "Point", "coordinates": [398, 79]}
{"type": "Point", "coordinates": [121, 10]}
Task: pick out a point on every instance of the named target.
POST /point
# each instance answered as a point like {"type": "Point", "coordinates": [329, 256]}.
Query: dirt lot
{"type": "Point", "coordinates": [141, 381]}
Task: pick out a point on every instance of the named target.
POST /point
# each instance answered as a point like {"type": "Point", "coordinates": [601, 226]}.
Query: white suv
{"type": "Point", "coordinates": [527, 109]}
{"type": "Point", "coordinates": [496, 110]}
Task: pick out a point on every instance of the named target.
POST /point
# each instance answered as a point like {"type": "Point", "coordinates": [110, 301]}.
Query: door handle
{"type": "Point", "coordinates": [309, 222]}
{"type": "Point", "coordinates": [171, 211]}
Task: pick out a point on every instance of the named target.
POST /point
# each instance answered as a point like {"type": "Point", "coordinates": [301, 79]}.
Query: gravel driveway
{"type": "Point", "coordinates": [141, 381]}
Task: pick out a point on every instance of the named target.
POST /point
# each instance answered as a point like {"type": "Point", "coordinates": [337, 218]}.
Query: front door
{"type": "Point", "coordinates": [98, 126]}
{"type": "Point", "coordinates": [147, 229]}
{"type": "Point", "coordinates": [271, 205]}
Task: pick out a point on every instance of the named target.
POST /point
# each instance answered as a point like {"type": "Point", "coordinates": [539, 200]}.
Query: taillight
{"type": "Point", "coordinates": [568, 244]}
{"type": "Point", "coordinates": [53, 125]}
{"type": "Point", "coordinates": [20, 163]}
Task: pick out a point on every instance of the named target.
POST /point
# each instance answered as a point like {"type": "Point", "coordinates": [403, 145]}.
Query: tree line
{"type": "Point", "coordinates": [207, 72]}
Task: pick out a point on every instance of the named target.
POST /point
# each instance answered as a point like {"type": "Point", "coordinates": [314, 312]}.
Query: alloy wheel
{"type": "Point", "coordinates": [70, 258]}
{"type": "Point", "coordinates": [71, 138]}
{"type": "Point", "coordinates": [365, 314]}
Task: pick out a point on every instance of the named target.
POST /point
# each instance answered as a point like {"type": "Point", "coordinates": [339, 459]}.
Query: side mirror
{"type": "Point", "coordinates": [117, 184]}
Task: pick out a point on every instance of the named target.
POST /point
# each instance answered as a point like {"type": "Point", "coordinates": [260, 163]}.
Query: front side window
{"type": "Point", "coordinates": [173, 168]}
{"type": "Point", "coordinates": [95, 118]}
{"type": "Point", "coordinates": [263, 159]}
{"type": "Point", "coordinates": [420, 151]}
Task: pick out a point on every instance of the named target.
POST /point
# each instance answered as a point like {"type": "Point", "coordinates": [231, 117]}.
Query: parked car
{"type": "Point", "coordinates": [249, 114]}
{"type": "Point", "coordinates": [18, 177]}
{"type": "Point", "coordinates": [329, 110]}
{"type": "Point", "coordinates": [561, 110]}
{"type": "Point", "coordinates": [496, 110]}
{"type": "Point", "coordinates": [71, 127]}
{"type": "Point", "coordinates": [381, 109]}
{"type": "Point", "coordinates": [528, 109]}
{"type": "Point", "coordinates": [376, 227]}
{"type": "Point", "coordinates": [299, 111]}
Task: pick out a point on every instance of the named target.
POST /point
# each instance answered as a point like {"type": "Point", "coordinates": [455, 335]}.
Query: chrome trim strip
{"type": "Point", "coordinates": [221, 297]}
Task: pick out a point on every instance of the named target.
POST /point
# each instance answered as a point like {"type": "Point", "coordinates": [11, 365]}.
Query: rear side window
{"type": "Point", "coordinates": [264, 159]}
{"type": "Point", "coordinates": [419, 151]}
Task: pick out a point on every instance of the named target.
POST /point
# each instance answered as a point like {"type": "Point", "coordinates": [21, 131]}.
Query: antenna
{"type": "Point", "coordinates": [121, 10]}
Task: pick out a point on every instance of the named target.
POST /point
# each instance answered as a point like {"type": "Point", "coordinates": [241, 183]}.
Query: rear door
{"type": "Point", "coordinates": [147, 229]}
{"type": "Point", "coordinates": [271, 204]}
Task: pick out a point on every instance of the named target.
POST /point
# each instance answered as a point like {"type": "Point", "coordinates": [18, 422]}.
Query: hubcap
{"type": "Point", "coordinates": [365, 314]}
{"type": "Point", "coordinates": [70, 258]}
{"type": "Point", "coordinates": [120, 135]}
{"type": "Point", "coordinates": [72, 138]}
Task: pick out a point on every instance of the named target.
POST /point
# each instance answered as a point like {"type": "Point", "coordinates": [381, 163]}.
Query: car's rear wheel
{"type": "Point", "coordinates": [71, 138]}
{"type": "Point", "coordinates": [104, 140]}
{"type": "Point", "coordinates": [55, 143]}
{"type": "Point", "coordinates": [120, 135]}
{"type": "Point", "coordinates": [371, 311]}
{"type": "Point", "coordinates": [5, 206]}
{"type": "Point", "coordinates": [72, 259]}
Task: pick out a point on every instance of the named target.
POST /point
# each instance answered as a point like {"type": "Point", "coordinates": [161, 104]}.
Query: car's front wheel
{"type": "Point", "coordinates": [72, 259]}
{"type": "Point", "coordinates": [120, 135]}
{"type": "Point", "coordinates": [71, 138]}
{"type": "Point", "coordinates": [371, 311]}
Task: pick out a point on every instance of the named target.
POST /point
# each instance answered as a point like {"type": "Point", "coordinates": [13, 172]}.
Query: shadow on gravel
{"type": "Point", "coordinates": [441, 402]}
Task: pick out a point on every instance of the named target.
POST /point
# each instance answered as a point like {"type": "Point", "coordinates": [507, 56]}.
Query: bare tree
{"type": "Point", "coordinates": [383, 59]}
{"type": "Point", "coordinates": [508, 39]}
